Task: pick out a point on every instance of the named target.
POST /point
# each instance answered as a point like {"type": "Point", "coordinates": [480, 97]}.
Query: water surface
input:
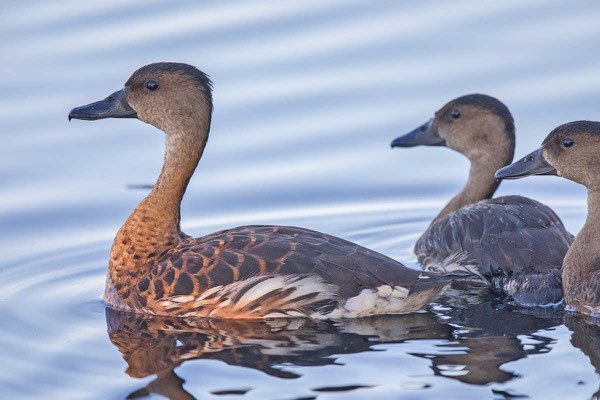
{"type": "Point", "coordinates": [308, 96]}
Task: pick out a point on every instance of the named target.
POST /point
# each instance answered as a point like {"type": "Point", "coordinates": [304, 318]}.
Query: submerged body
{"type": "Point", "coordinates": [244, 272]}
{"type": "Point", "coordinates": [571, 151]}
{"type": "Point", "coordinates": [514, 244]}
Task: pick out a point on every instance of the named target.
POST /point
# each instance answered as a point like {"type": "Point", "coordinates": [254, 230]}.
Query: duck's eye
{"type": "Point", "coordinates": [568, 142]}
{"type": "Point", "coordinates": [151, 85]}
{"type": "Point", "coordinates": [455, 113]}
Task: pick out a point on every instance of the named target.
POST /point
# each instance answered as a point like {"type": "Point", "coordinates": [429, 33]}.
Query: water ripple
{"type": "Point", "coordinates": [308, 96]}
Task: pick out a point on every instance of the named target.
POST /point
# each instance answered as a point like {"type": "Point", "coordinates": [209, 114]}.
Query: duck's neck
{"type": "Point", "coordinates": [182, 153]}
{"type": "Point", "coordinates": [583, 257]}
{"type": "Point", "coordinates": [481, 184]}
{"type": "Point", "coordinates": [154, 226]}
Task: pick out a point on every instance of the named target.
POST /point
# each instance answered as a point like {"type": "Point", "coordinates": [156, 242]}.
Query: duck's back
{"type": "Point", "coordinates": [514, 243]}
{"type": "Point", "coordinates": [276, 271]}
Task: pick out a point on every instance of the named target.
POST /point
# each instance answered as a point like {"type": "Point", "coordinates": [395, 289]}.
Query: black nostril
{"type": "Point", "coordinates": [424, 127]}
{"type": "Point", "coordinates": [529, 158]}
{"type": "Point", "coordinates": [110, 98]}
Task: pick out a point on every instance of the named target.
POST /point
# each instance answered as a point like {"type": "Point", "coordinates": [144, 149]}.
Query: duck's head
{"type": "Point", "coordinates": [170, 96]}
{"type": "Point", "coordinates": [571, 151]}
{"type": "Point", "coordinates": [475, 125]}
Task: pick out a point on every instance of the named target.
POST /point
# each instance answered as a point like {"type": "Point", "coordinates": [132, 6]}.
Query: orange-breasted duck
{"type": "Point", "coordinates": [572, 151]}
{"type": "Point", "coordinates": [243, 272]}
{"type": "Point", "coordinates": [514, 244]}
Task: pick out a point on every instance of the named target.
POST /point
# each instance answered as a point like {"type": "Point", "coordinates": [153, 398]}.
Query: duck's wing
{"type": "Point", "coordinates": [515, 243]}
{"type": "Point", "coordinates": [250, 270]}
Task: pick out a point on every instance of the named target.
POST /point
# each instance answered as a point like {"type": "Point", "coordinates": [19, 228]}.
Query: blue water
{"type": "Point", "coordinates": [308, 96]}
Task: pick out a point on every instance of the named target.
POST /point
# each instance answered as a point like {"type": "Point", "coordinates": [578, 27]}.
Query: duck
{"type": "Point", "coordinates": [571, 151]}
{"type": "Point", "coordinates": [253, 272]}
{"type": "Point", "coordinates": [512, 244]}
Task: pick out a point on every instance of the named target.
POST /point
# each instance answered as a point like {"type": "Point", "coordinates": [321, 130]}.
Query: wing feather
{"type": "Point", "coordinates": [220, 260]}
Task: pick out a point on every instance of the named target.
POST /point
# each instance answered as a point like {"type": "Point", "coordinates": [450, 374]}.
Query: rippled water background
{"type": "Point", "coordinates": [308, 96]}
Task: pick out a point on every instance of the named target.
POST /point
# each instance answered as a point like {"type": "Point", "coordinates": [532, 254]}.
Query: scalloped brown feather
{"type": "Point", "coordinates": [220, 275]}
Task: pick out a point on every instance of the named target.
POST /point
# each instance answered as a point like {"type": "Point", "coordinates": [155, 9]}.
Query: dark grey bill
{"type": "Point", "coordinates": [425, 135]}
{"type": "Point", "coordinates": [533, 163]}
{"type": "Point", "coordinates": [114, 106]}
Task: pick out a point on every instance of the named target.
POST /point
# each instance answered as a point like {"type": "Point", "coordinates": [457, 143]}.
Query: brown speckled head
{"type": "Point", "coordinates": [170, 96]}
{"type": "Point", "coordinates": [573, 149]}
{"type": "Point", "coordinates": [476, 125]}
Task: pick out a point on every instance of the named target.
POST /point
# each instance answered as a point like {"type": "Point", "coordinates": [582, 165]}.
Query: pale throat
{"type": "Point", "coordinates": [591, 228]}
{"type": "Point", "coordinates": [481, 184]}
{"type": "Point", "coordinates": [154, 226]}
{"type": "Point", "coordinates": [182, 154]}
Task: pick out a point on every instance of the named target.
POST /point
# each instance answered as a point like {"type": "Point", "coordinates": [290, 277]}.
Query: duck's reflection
{"type": "Point", "coordinates": [586, 337]}
{"type": "Point", "coordinates": [476, 341]}
{"type": "Point", "coordinates": [487, 338]}
{"type": "Point", "coordinates": [151, 345]}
